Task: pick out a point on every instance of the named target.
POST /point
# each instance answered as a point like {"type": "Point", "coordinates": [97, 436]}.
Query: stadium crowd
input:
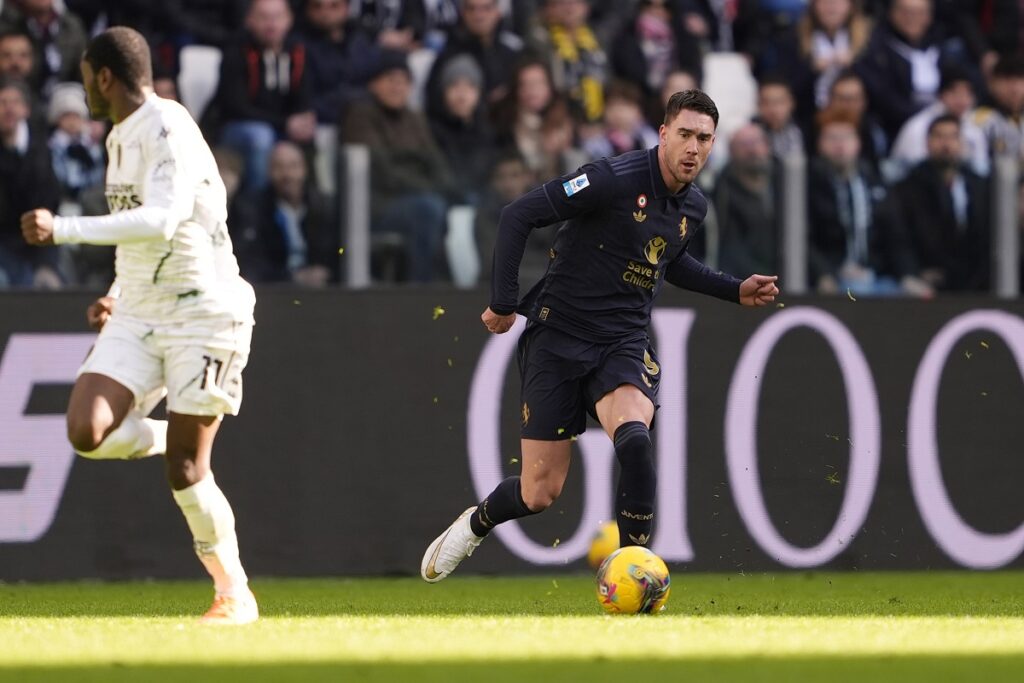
{"type": "Point", "coordinates": [899, 106]}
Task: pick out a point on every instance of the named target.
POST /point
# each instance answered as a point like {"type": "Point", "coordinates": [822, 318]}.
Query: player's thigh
{"type": "Point", "coordinates": [204, 369]}
{"type": "Point", "coordinates": [553, 403]}
{"type": "Point", "coordinates": [625, 386]}
{"type": "Point", "coordinates": [124, 367]}
{"type": "Point", "coordinates": [97, 406]}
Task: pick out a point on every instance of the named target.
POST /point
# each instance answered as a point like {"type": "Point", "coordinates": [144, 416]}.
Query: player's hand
{"type": "Point", "coordinates": [758, 290]}
{"type": "Point", "coordinates": [37, 227]}
{"type": "Point", "coordinates": [498, 324]}
{"type": "Point", "coordinates": [99, 312]}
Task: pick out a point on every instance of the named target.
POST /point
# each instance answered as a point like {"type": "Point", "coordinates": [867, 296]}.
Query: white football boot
{"type": "Point", "coordinates": [449, 549]}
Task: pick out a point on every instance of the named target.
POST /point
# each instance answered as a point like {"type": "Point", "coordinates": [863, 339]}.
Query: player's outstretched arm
{"type": "Point", "coordinates": [759, 290]}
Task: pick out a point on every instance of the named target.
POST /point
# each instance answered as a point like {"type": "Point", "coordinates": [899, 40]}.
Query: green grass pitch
{"type": "Point", "coordinates": [785, 627]}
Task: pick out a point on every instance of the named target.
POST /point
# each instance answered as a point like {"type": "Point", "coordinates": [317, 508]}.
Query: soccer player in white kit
{"type": "Point", "coordinates": [179, 317]}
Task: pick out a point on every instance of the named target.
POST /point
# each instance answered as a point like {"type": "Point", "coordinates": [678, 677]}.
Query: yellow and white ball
{"type": "Point", "coordinates": [633, 580]}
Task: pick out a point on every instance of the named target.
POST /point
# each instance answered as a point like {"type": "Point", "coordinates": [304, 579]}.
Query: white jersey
{"type": "Point", "coordinates": [168, 219]}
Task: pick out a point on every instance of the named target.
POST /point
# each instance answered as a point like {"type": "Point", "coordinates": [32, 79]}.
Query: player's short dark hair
{"type": "Point", "coordinates": [125, 52]}
{"type": "Point", "coordinates": [939, 120]}
{"type": "Point", "coordinates": [691, 100]}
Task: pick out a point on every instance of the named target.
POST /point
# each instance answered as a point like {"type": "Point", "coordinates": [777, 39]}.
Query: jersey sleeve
{"type": "Point", "coordinates": [689, 273]}
{"type": "Point", "coordinates": [168, 198]}
{"type": "Point", "coordinates": [590, 188]}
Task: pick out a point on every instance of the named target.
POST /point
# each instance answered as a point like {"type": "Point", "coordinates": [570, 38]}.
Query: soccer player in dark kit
{"type": "Point", "coordinates": [628, 221]}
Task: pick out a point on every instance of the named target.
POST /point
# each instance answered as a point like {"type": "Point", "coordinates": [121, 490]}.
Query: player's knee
{"type": "Point", "coordinates": [84, 434]}
{"type": "Point", "coordinates": [541, 496]}
{"type": "Point", "coordinates": [183, 469]}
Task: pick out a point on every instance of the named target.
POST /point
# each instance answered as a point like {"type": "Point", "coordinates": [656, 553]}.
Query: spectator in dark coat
{"type": "Point", "coordinates": [295, 236]}
{"type": "Point", "coordinates": [656, 42]}
{"type": "Point", "coordinates": [902, 63]}
{"type": "Point", "coordinates": [941, 207]}
{"type": "Point", "coordinates": [479, 34]}
{"type": "Point", "coordinates": [26, 182]}
{"type": "Point", "coordinates": [393, 24]}
{"type": "Point", "coordinates": [263, 93]}
{"type": "Point", "coordinates": [746, 202]}
{"type": "Point", "coordinates": [846, 251]}
{"type": "Point", "coordinates": [847, 94]}
{"type": "Point", "coordinates": [409, 179]}
{"type": "Point", "coordinates": [462, 130]}
{"type": "Point", "coordinates": [17, 62]}
{"type": "Point", "coordinates": [341, 58]}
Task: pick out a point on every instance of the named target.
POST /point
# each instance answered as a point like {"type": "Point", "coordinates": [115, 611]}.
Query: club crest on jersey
{"type": "Point", "coordinates": [682, 228]}
{"type": "Point", "coordinates": [580, 182]}
{"type": "Point", "coordinates": [654, 250]}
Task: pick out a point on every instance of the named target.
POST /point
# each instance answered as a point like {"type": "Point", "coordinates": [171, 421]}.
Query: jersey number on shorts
{"type": "Point", "coordinates": [206, 370]}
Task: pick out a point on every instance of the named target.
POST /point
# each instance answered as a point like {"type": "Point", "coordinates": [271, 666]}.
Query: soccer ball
{"type": "Point", "coordinates": [604, 543]}
{"type": "Point", "coordinates": [633, 580]}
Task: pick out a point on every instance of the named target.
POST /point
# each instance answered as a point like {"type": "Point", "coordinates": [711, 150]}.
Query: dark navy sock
{"type": "Point", "coordinates": [505, 502]}
{"type": "Point", "coordinates": [634, 498]}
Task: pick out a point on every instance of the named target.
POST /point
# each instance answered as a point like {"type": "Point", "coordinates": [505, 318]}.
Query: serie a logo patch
{"type": "Point", "coordinates": [580, 182]}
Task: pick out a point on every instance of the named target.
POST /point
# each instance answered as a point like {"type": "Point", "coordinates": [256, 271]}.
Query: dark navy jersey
{"type": "Point", "coordinates": [624, 236]}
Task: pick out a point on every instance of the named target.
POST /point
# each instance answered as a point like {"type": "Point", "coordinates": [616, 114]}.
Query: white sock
{"type": "Point", "coordinates": [209, 516]}
{"type": "Point", "coordinates": [135, 437]}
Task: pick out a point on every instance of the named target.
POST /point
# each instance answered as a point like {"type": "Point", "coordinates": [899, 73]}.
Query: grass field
{"type": "Point", "coordinates": [778, 628]}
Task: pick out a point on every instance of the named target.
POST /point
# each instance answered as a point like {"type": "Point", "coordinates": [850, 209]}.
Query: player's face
{"type": "Point", "coordinates": [685, 144]}
{"type": "Point", "coordinates": [99, 106]}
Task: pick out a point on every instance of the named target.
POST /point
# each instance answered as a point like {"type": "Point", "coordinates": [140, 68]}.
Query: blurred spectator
{"type": "Point", "coordinates": [1003, 120]}
{"type": "Point", "coordinates": [16, 63]}
{"type": "Point", "coordinates": [341, 58]}
{"type": "Point", "coordinates": [26, 182]}
{"type": "Point", "coordinates": [509, 180]}
{"type": "Point", "coordinates": [941, 208]}
{"type": "Point", "coordinates": [625, 128]}
{"type": "Point", "coordinates": [902, 63]}
{"type": "Point", "coordinates": [825, 40]}
{"type": "Point", "coordinates": [295, 236]}
{"type": "Point", "coordinates": [531, 108]}
{"type": "Point", "coordinates": [77, 150]}
{"type": "Point", "coordinates": [478, 34]}
{"type": "Point", "coordinates": [577, 61]}
{"type": "Point", "coordinates": [848, 95]}
{"type": "Point", "coordinates": [393, 24]}
{"type": "Point", "coordinates": [263, 93]}
{"type": "Point", "coordinates": [846, 252]}
{"type": "Point", "coordinates": [441, 17]}
{"type": "Point", "coordinates": [655, 43]}
{"type": "Point", "coordinates": [410, 180]}
{"type": "Point", "coordinates": [746, 202]}
{"type": "Point", "coordinates": [16, 58]}
{"type": "Point", "coordinates": [956, 97]}
{"type": "Point", "coordinates": [775, 107]}
{"type": "Point", "coordinates": [461, 129]}
{"type": "Point", "coordinates": [675, 81]}
{"type": "Point", "coordinates": [58, 40]}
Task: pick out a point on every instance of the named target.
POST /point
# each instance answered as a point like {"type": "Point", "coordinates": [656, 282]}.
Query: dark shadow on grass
{"type": "Point", "coordinates": [909, 669]}
{"type": "Point", "coordinates": [829, 595]}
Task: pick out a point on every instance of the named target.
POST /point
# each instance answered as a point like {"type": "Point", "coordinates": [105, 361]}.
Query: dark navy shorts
{"type": "Point", "coordinates": [563, 377]}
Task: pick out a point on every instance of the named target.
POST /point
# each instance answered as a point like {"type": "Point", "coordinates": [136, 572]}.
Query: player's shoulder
{"type": "Point", "coordinates": [167, 116]}
{"type": "Point", "coordinates": [632, 163]}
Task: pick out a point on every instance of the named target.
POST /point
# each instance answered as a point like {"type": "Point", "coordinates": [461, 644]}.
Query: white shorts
{"type": "Point", "coordinates": [198, 367]}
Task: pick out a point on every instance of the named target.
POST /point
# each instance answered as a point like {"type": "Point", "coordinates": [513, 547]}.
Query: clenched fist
{"type": "Point", "coordinates": [37, 227]}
